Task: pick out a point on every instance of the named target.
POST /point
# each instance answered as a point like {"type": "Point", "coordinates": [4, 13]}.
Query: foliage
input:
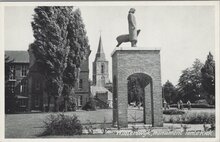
{"type": "Point", "coordinates": [199, 118]}
{"type": "Point", "coordinates": [190, 83]}
{"type": "Point", "coordinates": [69, 104]}
{"type": "Point", "coordinates": [90, 105]}
{"type": "Point", "coordinates": [79, 50]}
{"type": "Point", "coordinates": [173, 112]}
{"type": "Point", "coordinates": [136, 84]}
{"type": "Point", "coordinates": [192, 118]}
{"type": "Point", "coordinates": [170, 93]}
{"type": "Point", "coordinates": [60, 124]}
{"type": "Point", "coordinates": [194, 105]}
{"type": "Point", "coordinates": [59, 47]}
{"type": "Point", "coordinates": [50, 47]}
{"type": "Point", "coordinates": [8, 72]}
{"type": "Point", "coordinates": [208, 78]}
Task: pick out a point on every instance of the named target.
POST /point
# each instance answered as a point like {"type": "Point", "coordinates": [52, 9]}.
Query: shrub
{"type": "Point", "coordinates": [195, 105]}
{"type": "Point", "coordinates": [173, 112]}
{"type": "Point", "coordinates": [203, 101]}
{"type": "Point", "coordinates": [193, 118]}
{"type": "Point", "coordinates": [199, 118]}
{"type": "Point", "coordinates": [60, 124]}
{"type": "Point", "coordinates": [90, 105]}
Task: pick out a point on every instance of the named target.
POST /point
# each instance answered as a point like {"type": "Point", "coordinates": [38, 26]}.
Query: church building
{"type": "Point", "coordinates": [101, 78]}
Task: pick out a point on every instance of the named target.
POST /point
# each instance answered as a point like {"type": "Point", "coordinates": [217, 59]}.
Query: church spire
{"type": "Point", "coordinates": [100, 55]}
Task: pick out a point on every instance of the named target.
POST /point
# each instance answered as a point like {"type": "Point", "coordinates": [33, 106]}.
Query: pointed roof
{"type": "Point", "coordinates": [100, 55]}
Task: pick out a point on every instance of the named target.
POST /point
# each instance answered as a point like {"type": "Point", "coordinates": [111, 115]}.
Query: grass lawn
{"type": "Point", "coordinates": [30, 125]}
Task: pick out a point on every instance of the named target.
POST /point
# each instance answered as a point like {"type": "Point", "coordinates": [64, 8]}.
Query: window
{"type": "Point", "coordinates": [12, 74]}
{"type": "Point", "coordinates": [24, 70]}
{"type": "Point", "coordinates": [23, 87]}
{"type": "Point", "coordinates": [79, 100]}
{"type": "Point", "coordinates": [102, 69]}
{"type": "Point", "coordinates": [80, 84]}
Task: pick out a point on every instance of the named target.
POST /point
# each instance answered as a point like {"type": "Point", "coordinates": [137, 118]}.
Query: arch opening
{"type": "Point", "coordinates": [140, 98]}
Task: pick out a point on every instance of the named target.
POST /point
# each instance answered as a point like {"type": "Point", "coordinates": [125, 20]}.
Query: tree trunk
{"type": "Point", "coordinates": [56, 104]}
{"type": "Point", "coordinates": [65, 104]}
{"type": "Point", "coordinates": [48, 103]}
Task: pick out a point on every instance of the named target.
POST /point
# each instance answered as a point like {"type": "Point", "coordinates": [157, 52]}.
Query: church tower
{"type": "Point", "coordinates": [100, 67]}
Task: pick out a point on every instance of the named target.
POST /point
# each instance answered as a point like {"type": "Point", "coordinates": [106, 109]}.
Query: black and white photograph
{"type": "Point", "coordinates": [111, 70]}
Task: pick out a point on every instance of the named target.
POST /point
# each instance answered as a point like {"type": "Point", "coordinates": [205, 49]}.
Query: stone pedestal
{"type": "Point", "coordinates": [131, 60]}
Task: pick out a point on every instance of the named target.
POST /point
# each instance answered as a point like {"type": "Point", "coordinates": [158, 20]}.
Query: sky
{"type": "Point", "coordinates": [183, 33]}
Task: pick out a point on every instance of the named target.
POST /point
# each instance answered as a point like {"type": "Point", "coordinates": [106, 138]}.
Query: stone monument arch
{"type": "Point", "coordinates": [127, 61]}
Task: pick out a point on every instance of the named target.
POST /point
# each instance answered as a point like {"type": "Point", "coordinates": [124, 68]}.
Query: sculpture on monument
{"type": "Point", "coordinates": [133, 32]}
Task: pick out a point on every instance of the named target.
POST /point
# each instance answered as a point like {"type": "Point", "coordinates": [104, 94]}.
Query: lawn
{"type": "Point", "coordinates": [30, 125]}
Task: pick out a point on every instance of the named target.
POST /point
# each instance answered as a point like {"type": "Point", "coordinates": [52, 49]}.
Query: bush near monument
{"type": "Point", "coordinates": [60, 124]}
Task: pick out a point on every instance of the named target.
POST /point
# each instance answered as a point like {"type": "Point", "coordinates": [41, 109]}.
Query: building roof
{"type": "Point", "coordinates": [18, 56]}
{"type": "Point", "coordinates": [100, 55]}
{"type": "Point", "coordinates": [99, 89]}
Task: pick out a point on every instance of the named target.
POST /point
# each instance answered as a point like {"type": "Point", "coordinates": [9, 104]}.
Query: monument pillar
{"type": "Point", "coordinates": [125, 62]}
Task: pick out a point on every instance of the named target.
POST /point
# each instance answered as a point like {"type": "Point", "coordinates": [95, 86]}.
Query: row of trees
{"type": "Point", "coordinates": [60, 46]}
{"type": "Point", "coordinates": [195, 83]}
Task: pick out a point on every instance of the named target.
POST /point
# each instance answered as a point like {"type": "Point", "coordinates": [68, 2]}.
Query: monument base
{"type": "Point", "coordinates": [145, 61]}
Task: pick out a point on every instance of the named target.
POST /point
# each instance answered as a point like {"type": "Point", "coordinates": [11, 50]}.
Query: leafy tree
{"type": "Point", "coordinates": [136, 84]}
{"type": "Point", "coordinates": [51, 46]}
{"type": "Point", "coordinates": [208, 78]}
{"type": "Point", "coordinates": [79, 50]}
{"type": "Point", "coordinates": [190, 85]}
{"type": "Point", "coordinates": [135, 93]}
{"type": "Point", "coordinates": [60, 46]}
{"type": "Point", "coordinates": [169, 92]}
{"type": "Point", "coordinates": [8, 62]}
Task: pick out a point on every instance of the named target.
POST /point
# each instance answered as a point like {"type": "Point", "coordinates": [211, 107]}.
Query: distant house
{"type": "Point", "coordinates": [28, 84]}
{"type": "Point", "coordinates": [18, 80]}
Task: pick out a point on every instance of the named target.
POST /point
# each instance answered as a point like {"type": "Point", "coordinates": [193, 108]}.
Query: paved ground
{"type": "Point", "coordinates": [30, 125]}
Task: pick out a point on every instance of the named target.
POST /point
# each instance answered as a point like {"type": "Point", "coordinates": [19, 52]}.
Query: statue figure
{"type": "Point", "coordinates": [132, 27]}
{"type": "Point", "coordinates": [133, 32]}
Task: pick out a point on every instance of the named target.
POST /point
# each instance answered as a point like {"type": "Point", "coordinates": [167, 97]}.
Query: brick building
{"type": "Point", "coordinates": [18, 80]}
{"type": "Point", "coordinates": [28, 84]}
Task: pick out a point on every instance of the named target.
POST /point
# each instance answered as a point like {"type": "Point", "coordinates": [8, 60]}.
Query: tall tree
{"type": "Point", "coordinates": [208, 78]}
{"type": "Point", "coordinates": [169, 92]}
{"type": "Point", "coordinates": [51, 46]}
{"type": "Point", "coordinates": [189, 85]}
{"type": "Point", "coordinates": [79, 50]}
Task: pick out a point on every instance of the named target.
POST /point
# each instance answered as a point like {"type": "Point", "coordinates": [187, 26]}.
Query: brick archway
{"type": "Point", "coordinates": [128, 61]}
{"type": "Point", "coordinates": [146, 84]}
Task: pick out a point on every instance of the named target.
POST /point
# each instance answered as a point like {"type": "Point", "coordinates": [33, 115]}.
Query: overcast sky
{"type": "Point", "coordinates": [183, 33]}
